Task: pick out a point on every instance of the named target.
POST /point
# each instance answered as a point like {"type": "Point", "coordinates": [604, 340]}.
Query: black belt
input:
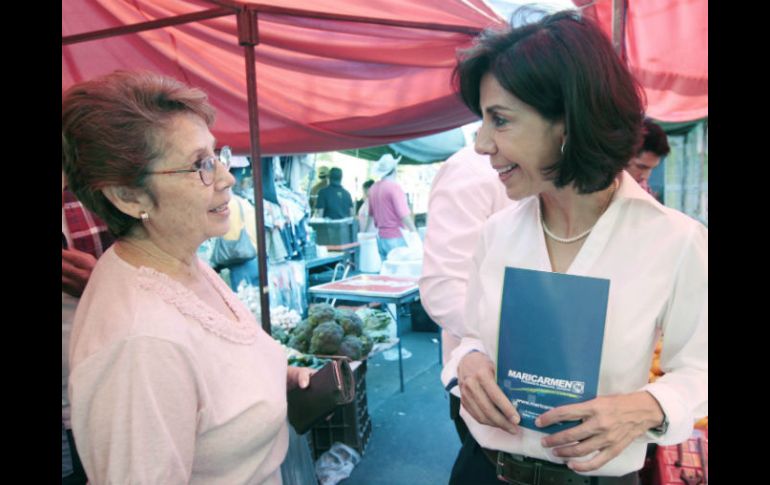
{"type": "Point", "coordinates": [521, 470]}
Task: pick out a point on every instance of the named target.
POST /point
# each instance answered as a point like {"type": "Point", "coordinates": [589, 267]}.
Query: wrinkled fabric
{"type": "Point", "coordinates": [322, 84]}
{"type": "Point", "coordinates": [667, 51]}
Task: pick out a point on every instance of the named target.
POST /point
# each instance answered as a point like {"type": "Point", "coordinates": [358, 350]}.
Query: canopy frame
{"type": "Point", "coordinates": [248, 37]}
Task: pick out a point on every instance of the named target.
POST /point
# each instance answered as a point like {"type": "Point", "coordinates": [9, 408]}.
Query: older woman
{"type": "Point", "coordinates": [561, 118]}
{"type": "Point", "coordinates": [172, 380]}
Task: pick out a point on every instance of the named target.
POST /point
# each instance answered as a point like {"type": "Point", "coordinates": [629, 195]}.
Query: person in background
{"type": "Point", "coordinates": [560, 124]}
{"type": "Point", "coordinates": [242, 215]}
{"type": "Point", "coordinates": [323, 181]}
{"type": "Point", "coordinates": [654, 147]}
{"type": "Point", "coordinates": [388, 208]}
{"type": "Point", "coordinates": [84, 238]}
{"type": "Point", "coordinates": [465, 193]}
{"type": "Point", "coordinates": [334, 202]}
{"type": "Point", "coordinates": [172, 380]}
{"type": "Point", "coordinates": [362, 206]}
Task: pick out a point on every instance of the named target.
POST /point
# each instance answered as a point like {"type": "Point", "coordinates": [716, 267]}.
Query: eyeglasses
{"type": "Point", "coordinates": [206, 168]}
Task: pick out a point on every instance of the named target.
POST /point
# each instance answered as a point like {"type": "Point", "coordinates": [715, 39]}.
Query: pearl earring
{"type": "Point", "coordinates": [144, 216]}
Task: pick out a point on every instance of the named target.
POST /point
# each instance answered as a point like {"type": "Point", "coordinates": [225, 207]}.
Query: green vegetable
{"type": "Point", "coordinates": [304, 329]}
{"type": "Point", "coordinates": [352, 347]}
{"type": "Point", "coordinates": [298, 342]}
{"type": "Point", "coordinates": [299, 338]}
{"type": "Point", "coordinates": [375, 320]}
{"type": "Point", "coordinates": [366, 345]}
{"type": "Point", "coordinates": [378, 336]}
{"type": "Point", "coordinates": [319, 313]}
{"type": "Point", "coordinates": [303, 360]}
{"type": "Point", "coordinates": [279, 334]}
{"type": "Point", "coordinates": [326, 338]}
{"type": "Point", "coordinates": [350, 322]}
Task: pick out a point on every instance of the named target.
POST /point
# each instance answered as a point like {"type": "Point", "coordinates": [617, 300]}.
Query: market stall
{"type": "Point", "coordinates": [321, 84]}
{"type": "Point", "coordinates": [299, 94]}
{"type": "Point", "coordinates": [390, 290]}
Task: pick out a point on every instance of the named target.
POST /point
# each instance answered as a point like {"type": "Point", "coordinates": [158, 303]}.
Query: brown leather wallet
{"type": "Point", "coordinates": [330, 387]}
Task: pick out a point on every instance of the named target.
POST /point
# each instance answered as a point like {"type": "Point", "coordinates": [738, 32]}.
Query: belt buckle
{"type": "Point", "coordinates": [500, 471]}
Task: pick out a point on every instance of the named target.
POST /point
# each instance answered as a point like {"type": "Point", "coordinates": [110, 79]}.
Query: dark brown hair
{"type": "Point", "coordinates": [335, 174]}
{"type": "Point", "coordinates": [112, 131]}
{"type": "Point", "coordinates": [565, 68]}
{"type": "Point", "coordinates": [655, 139]}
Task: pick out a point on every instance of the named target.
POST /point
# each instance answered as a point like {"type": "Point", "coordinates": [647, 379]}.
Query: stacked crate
{"type": "Point", "coordinates": [350, 424]}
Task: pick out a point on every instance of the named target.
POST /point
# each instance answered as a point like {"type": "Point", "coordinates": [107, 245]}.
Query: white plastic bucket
{"type": "Point", "coordinates": [370, 255]}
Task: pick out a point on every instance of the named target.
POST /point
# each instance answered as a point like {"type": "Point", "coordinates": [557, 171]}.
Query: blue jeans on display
{"type": "Point", "coordinates": [385, 245]}
{"type": "Point", "coordinates": [248, 271]}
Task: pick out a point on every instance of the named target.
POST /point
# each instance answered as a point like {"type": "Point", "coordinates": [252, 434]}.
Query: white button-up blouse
{"type": "Point", "coordinates": [656, 259]}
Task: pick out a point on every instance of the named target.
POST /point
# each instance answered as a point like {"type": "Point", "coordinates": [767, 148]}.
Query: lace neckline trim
{"type": "Point", "coordinates": [244, 331]}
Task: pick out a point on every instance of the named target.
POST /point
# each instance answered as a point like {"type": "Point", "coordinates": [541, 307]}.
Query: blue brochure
{"type": "Point", "coordinates": [550, 342]}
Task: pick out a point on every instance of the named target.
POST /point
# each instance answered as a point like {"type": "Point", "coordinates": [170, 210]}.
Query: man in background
{"type": "Point", "coordinates": [464, 194]}
{"type": "Point", "coordinates": [323, 181]}
{"type": "Point", "coordinates": [362, 206]}
{"type": "Point", "coordinates": [334, 202]}
{"type": "Point", "coordinates": [654, 147]}
{"type": "Point", "coordinates": [388, 208]}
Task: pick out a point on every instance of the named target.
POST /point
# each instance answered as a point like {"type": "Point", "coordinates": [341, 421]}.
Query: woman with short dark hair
{"type": "Point", "coordinates": [171, 378]}
{"type": "Point", "coordinates": [561, 117]}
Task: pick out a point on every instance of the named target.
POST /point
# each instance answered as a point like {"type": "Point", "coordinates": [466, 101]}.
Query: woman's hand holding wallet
{"type": "Point", "coordinates": [328, 388]}
{"type": "Point", "coordinates": [298, 377]}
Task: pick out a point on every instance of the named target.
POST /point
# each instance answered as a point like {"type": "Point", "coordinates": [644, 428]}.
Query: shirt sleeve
{"type": "Point", "coordinates": [683, 391]}
{"type": "Point", "coordinates": [459, 205]}
{"type": "Point", "coordinates": [134, 413]}
{"type": "Point", "coordinates": [399, 201]}
{"type": "Point", "coordinates": [471, 338]}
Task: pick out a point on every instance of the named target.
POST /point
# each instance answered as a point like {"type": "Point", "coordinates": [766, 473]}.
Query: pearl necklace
{"type": "Point", "coordinates": [570, 240]}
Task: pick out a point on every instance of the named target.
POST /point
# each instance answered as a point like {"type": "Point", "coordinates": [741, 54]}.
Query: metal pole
{"type": "Point", "coordinates": [297, 12]}
{"type": "Point", "coordinates": [619, 27]}
{"type": "Point", "coordinates": [248, 37]}
{"type": "Point", "coordinates": [145, 26]}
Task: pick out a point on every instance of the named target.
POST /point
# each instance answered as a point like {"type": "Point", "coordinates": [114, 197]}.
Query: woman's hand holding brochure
{"type": "Point", "coordinates": [482, 397]}
{"type": "Point", "coordinates": [609, 425]}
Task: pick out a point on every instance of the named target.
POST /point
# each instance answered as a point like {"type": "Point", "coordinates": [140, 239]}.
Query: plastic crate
{"type": "Point", "coordinates": [689, 458]}
{"type": "Point", "coordinates": [421, 322]}
{"type": "Point", "coordinates": [338, 232]}
{"type": "Point", "coordinates": [350, 424]}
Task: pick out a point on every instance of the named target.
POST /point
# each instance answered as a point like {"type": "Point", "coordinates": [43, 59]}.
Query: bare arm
{"type": "Point", "coordinates": [368, 224]}
{"type": "Point", "coordinates": [409, 223]}
{"type": "Point", "coordinates": [76, 267]}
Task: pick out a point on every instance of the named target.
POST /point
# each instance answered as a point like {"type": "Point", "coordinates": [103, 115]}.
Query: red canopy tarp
{"type": "Point", "coordinates": [343, 75]}
{"type": "Point", "coordinates": [326, 82]}
{"type": "Point", "coordinates": [666, 44]}
{"type": "Point", "coordinates": [322, 84]}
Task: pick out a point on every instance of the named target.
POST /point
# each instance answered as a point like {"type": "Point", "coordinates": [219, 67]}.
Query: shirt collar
{"type": "Point", "coordinates": [630, 189]}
